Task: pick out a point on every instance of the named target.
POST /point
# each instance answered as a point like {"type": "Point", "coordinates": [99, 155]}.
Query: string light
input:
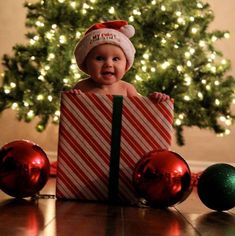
{"type": "Point", "coordinates": [49, 98]}
{"type": "Point", "coordinates": [138, 78]}
{"type": "Point", "coordinates": [163, 8]}
{"type": "Point", "coordinates": [30, 114]}
{"type": "Point", "coordinates": [200, 95]}
{"type": "Point", "coordinates": [39, 23]}
{"type": "Point", "coordinates": [62, 39]}
{"type": "Point", "coordinates": [217, 102]}
{"type": "Point", "coordinates": [179, 68]}
{"type": "Point", "coordinates": [41, 77]}
{"type": "Point", "coordinates": [165, 64]}
{"type": "Point", "coordinates": [7, 90]}
{"type": "Point", "coordinates": [54, 26]}
{"type": "Point", "coordinates": [73, 4]}
{"type": "Point", "coordinates": [146, 56]}
{"type": "Point", "coordinates": [51, 56]}
{"type": "Point", "coordinates": [144, 68]}
{"type": "Point", "coordinates": [194, 30]}
{"type": "Point", "coordinates": [224, 61]}
{"type": "Point", "coordinates": [189, 63]}
{"type": "Point", "coordinates": [213, 38]}
{"type": "Point", "coordinates": [186, 98]}
{"type": "Point", "coordinates": [191, 18]}
{"type": "Point", "coordinates": [199, 5]}
{"type": "Point", "coordinates": [13, 85]}
{"type": "Point", "coordinates": [40, 97]}
{"type": "Point", "coordinates": [26, 104]}
{"type": "Point", "coordinates": [111, 10]}
{"type": "Point", "coordinates": [227, 35]}
{"type": "Point", "coordinates": [202, 43]}
{"type": "Point", "coordinates": [14, 106]}
{"type": "Point", "coordinates": [178, 122]}
{"type": "Point", "coordinates": [32, 41]}
{"type": "Point", "coordinates": [187, 80]}
{"type": "Point", "coordinates": [136, 12]}
{"type": "Point", "coordinates": [131, 19]}
{"type": "Point", "coordinates": [78, 34]}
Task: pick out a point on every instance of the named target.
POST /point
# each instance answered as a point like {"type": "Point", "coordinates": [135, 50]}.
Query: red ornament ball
{"type": "Point", "coordinates": [162, 178]}
{"type": "Point", "coordinates": [24, 168]}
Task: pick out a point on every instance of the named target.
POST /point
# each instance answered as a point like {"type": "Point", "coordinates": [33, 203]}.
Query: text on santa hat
{"type": "Point", "coordinates": [104, 36]}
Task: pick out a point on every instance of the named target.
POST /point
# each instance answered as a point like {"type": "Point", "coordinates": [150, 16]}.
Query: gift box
{"type": "Point", "coordinates": [101, 138]}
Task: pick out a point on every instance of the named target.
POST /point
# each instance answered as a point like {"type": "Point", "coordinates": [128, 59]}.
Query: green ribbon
{"type": "Point", "coordinates": [113, 187]}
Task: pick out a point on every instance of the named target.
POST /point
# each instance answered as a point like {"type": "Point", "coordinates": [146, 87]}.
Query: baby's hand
{"type": "Point", "coordinates": [76, 91]}
{"type": "Point", "coordinates": [159, 97]}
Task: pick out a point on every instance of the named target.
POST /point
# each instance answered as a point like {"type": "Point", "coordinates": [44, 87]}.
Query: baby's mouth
{"type": "Point", "coordinates": [107, 73]}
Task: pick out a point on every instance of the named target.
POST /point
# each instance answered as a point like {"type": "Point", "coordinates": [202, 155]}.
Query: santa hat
{"type": "Point", "coordinates": [111, 32]}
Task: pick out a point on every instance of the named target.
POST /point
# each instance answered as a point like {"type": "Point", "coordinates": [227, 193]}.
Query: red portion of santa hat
{"type": "Point", "coordinates": [117, 24]}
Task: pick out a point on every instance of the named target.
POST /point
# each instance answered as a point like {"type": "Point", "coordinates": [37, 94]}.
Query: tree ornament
{"type": "Point", "coordinates": [216, 187]}
{"type": "Point", "coordinates": [163, 178]}
{"type": "Point", "coordinates": [24, 168]}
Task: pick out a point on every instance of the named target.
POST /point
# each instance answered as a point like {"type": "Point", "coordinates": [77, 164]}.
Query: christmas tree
{"type": "Point", "coordinates": [176, 55]}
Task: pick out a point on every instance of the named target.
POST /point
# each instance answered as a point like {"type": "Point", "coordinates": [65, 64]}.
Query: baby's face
{"type": "Point", "coordinates": [106, 64]}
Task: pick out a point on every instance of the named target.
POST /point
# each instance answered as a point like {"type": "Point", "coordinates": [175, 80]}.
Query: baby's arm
{"type": "Point", "coordinates": [131, 90]}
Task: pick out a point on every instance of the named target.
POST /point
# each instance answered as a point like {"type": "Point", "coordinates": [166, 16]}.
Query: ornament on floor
{"type": "Point", "coordinates": [24, 168]}
{"type": "Point", "coordinates": [216, 187]}
{"type": "Point", "coordinates": [163, 178]}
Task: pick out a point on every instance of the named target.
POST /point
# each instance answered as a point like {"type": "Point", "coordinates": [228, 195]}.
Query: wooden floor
{"type": "Point", "coordinates": [50, 217]}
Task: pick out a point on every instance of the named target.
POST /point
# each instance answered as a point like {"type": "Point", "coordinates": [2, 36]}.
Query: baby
{"type": "Point", "coordinates": [106, 53]}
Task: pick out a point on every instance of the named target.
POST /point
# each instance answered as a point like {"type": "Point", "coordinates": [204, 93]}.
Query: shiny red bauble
{"type": "Point", "coordinates": [24, 168]}
{"type": "Point", "coordinates": [162, 178]}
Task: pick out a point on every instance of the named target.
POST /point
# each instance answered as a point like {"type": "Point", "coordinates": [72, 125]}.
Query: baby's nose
{"type": "Point", "coordinates": [108, 62]}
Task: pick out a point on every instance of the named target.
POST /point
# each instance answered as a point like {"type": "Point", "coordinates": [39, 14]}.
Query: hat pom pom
{"type": "Point", "coordinates": [128, 30]}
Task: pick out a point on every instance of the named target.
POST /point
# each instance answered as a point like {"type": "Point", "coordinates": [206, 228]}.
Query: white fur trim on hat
{"type": "Point", "coordinates": [101, 36]}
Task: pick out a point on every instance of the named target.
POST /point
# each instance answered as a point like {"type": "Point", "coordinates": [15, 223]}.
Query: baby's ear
{"type": "Point", "coordinates": [127, 66]}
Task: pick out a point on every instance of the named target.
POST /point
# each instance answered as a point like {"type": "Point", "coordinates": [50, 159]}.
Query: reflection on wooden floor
{"type": "Point", "coordinates": [52, 217]}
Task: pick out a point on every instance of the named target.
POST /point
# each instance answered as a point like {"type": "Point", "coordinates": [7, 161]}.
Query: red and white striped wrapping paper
{"type": "Point", "coordinates": [85, 142]}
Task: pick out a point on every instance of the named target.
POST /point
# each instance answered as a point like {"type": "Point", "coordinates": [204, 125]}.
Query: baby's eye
{"type": "Point", "coordinates": [116, 59]}
{"type": "Point", "coordinates": [99, 58]}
